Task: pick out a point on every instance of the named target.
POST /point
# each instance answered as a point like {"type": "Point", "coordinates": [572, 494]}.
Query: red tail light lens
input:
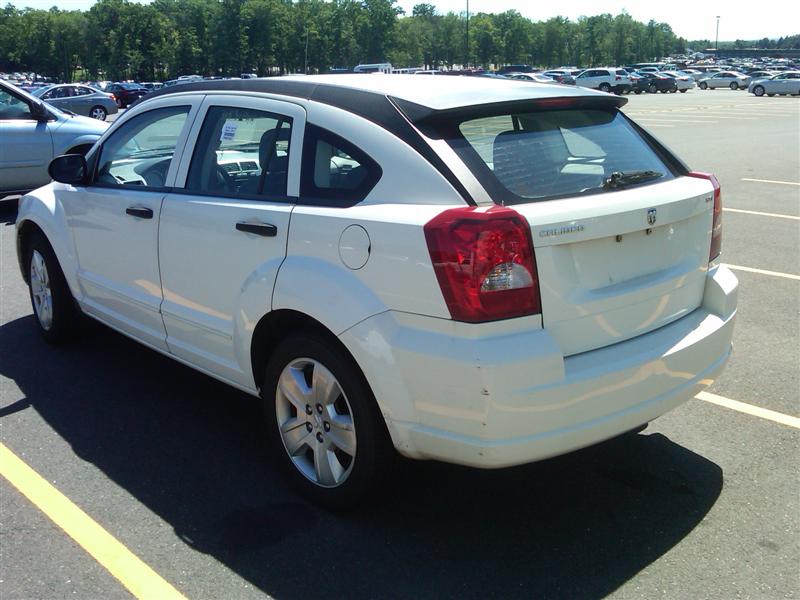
{"type": "Point", "coordinates": [716, 224]}
{"type": "Point", "coordinates": [484, 262]}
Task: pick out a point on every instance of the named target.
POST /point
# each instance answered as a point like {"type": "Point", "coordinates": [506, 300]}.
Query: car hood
{"type": "Point", "coordinates": [83, 125]}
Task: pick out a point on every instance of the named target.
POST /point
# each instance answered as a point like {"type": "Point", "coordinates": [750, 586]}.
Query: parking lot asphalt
{"type": "Point", "coordinates": [702, 504]}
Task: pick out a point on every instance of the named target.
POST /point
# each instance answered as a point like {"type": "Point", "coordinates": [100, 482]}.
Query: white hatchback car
{"type": "Point", "coordinates": [481, 272]}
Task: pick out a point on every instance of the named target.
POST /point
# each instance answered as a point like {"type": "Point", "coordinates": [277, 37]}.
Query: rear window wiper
{"type": "Point", "coordinates": [619, 179]}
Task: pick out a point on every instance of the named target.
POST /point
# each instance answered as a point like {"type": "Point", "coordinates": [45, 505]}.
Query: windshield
{"type": "Point", "coordinates": [39, 91]}
{"type": "Point", "coordinates": [556, 153]}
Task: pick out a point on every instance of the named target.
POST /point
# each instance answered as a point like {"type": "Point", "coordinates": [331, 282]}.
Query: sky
{"type": "Point", "coordinates": [689, 19]}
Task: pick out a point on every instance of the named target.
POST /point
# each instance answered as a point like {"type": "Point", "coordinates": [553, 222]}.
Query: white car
{"type": "Point", "coordinates": [724, 79]}
{"type": "Point", "coordinates": [487, 275]}
{"type": "Point", "coordinates": [606, 79]}
{"type": "Point", "coordinates": [784, 83]}
{"type": "Point", "coordinates": [684, 82]}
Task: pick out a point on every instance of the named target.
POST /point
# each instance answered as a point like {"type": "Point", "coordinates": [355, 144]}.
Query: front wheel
{"type": "Point", "coordinates": [683, 91]}
{"type": "Point", "coordinates": [604, 87]}
{"type": "Point", "coordinates": [323, 422]}
{"type": "Point", "coordinates": [53, 305]}
{"type": "Point", "coordinates": [759, 90]}
{"type": "Point", "coordinates": [734, 85]}
{"type": "Point", "coordinates": [98, 112]}
{"type": "Point", "coordinates": [653, 88]}
{"type": "Point", "coordinates": [703, 85]}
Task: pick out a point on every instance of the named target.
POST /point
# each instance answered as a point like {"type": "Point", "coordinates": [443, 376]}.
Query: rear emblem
{"type": "Point", "coordinates": [651, 216]}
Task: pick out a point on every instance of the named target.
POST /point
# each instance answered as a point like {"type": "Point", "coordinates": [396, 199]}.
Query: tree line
{"type": "Point", "coordinates": [119, 39]}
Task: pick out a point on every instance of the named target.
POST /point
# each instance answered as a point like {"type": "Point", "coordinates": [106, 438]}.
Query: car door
{"type": "Point", "coordinates": [26, 144]}
{"type": "Point", "coordinates": [224, 229]}
{"type": "Point", "coordinates": [114, 219]}
{"type": "Point", "coordinates": [81, 100]}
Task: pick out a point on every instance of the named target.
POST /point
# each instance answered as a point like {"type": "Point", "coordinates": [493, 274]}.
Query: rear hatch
{"type": "Point", "coordinates": [621, 237]}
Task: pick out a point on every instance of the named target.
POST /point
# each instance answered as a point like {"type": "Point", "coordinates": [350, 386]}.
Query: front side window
{"type": "Point", "coordinates": [241, 152]}
{"type": "Point", "coordinates": [140, 152]}
{"type": "Point", "coordinates": [555, 153]}
{"type": "Point", "coordinates": [12, 108]}
{"type": "Point", "coordinates": [335, 172]}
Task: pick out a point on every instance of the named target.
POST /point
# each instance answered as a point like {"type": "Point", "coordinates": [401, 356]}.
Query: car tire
{"type": "Point", "coordinates": [759, 90]}
{"type": "Point", "coordinates": [334, 466]}
{"type": "Point", "coordinates": [653, 88]}
{"type": "Point", "coordinates": [734, 85]}
{"type": "Point", "coordinates": [770, 95]}
{"type": "Point", "coordinates": [98, 112]}
{"type": "Point", "coordinates": [637, 92]}
{"type": "Point", "coordinates": [54, 307]}
{"type": "Point", "coordinates": [604, 87]}
{"type": "Point", "coordinates": [673, 90]}
{"type": "Point", "coordinates": [682, 91]}
{"type": "Point", "coordinates": [703, 85]}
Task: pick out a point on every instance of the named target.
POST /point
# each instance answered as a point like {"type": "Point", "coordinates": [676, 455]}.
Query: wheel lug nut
{"type": "Point", "coordinates": [319, 437]}
{"type": "Point", "coordinates": [327, 426]}
{"type": "Point", "coordinates": [308, 409]}
{"type": "Point", "coordinates": [319, 408]}
{"type": "Point", "coordinates": [309, 427]}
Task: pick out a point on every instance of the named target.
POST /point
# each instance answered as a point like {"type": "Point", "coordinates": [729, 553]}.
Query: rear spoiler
{"type": "Point", "coordinates": [424, 116]}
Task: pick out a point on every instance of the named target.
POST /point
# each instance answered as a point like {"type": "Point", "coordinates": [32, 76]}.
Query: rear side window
{"type": "Point", "coordinates": [335, 172]}
{"type": "Point", "coordinates": [554, 153]}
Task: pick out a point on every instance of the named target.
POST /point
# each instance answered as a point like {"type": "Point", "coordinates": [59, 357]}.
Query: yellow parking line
{"type": "Point", "coordinates": [762, 271]}
{"type": "Point", "coordinates": [749, 409]}
{"type": "Point", "coordinates": [770, 181]}
{"type": "Point", "coordinates": [762, 214]}
{"type": "Point", "coordinates": [134, 574]}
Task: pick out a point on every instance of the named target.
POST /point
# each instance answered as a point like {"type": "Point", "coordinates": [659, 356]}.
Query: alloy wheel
{"type": "Point", "coordinates": [315, 422]}
{"type": "Point", "coordinates": [41, 291]}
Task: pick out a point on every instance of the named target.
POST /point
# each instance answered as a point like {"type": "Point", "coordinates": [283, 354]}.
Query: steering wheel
{"type": "Point", "coordinates": [224, 179]}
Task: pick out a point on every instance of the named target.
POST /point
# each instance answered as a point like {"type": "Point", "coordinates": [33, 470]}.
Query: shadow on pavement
{"type": "Point", "coordinates": [8, 211]}
{"type": "Point", "coordinates": [190, 449]}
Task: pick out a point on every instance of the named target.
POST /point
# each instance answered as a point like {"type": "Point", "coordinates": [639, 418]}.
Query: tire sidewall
{"type": "Point", "coordinates": [372, 445]}
{"type": "Point", "coordinates": [65, 312]}
{"type": "Point", "coordinates": [104, 113]}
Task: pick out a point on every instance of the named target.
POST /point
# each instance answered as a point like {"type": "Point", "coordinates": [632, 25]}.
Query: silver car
{"type": "Point", "coordinates": [724, 79]}
{"type": "Point", "coordinates": [80, 99]}
{"type": "Point", "coordinates": [787, 82]}
{"type": "Point", "coordinates": [32, 133]}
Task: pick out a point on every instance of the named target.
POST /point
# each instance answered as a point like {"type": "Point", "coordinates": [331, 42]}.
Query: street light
{"type": "Point", "coordinates": [716, 40]}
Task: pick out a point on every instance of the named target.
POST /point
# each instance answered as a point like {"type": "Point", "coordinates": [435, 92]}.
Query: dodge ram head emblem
{"type": "Point", "coordinates": [651, 216]}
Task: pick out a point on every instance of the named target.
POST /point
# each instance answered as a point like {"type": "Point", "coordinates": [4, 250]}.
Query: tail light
{"type": "Point", "coordinates": [113, 97]}
{"type": "Point", "coordinates": [484, 262]}
{"type": "Point", "coordinates": [716, 224]}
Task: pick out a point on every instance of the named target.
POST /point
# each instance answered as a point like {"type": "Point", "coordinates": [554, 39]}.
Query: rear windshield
{"type": "Point", "coordinates": [555, 153]}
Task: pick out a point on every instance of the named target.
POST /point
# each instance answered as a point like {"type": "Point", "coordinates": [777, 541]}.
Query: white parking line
{"type": "Point", "coordinates": [770, 181]}
{"type": "Point", "coordinates": [761, 214]}
{"type": "Point", "coordinates": [763, 272]}
{"type": "Point", "coordinates": [749, 409]}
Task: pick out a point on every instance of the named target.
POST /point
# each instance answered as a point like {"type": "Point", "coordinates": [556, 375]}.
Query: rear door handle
{"type": "Point", "coordinates": [142, 213]}
{"type": "Point", "coordinates": [265, 229]}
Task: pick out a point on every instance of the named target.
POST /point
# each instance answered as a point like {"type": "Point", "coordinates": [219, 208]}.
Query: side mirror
{"type": "Point", "coordinates": [39, 112]}
{"type": "Point", "coordinates": [68, 168]}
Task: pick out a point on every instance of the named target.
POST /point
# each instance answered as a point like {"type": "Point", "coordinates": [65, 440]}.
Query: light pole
{"type": "Point", "coordinates": [467, 49]}
{"type": "Point", "coordinates": [716, 40]}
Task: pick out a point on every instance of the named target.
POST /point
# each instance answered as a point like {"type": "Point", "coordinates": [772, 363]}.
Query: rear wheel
{"type": "Point", "coordinates": [703, 85]}
{"type": "Point", "coordinates": [759, 90]}
{"type": "Point", "coordinates": [637, 91]}
{"type": "Point", "coordinates": [323, 422]}
{"type": "Point", "coordinates": [98, 112]}
{"type": "Point", "coordinates": [53, 305]}
{"type": "Point", "coordinates": [734, 85]}
{"type": "Point", "coordinates": [604, 87]}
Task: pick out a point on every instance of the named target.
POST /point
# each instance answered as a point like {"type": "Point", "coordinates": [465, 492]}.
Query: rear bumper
{"type": "Point", "coordinates": [502, 394]}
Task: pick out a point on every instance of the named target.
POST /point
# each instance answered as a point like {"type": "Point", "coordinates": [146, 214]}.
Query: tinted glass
{"type": "Point", "coordinates": [12, 108]}
{"type": "Point", "coordinates": [140, 152]}
{"type": "Point", "coordinates": [539, 155]}
{"type": "Point", "coordinates": [334, 170]}
{"type": "Point", "coordinates": [241, 151]}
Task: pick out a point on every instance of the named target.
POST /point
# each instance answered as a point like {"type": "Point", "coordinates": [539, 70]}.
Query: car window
{"type": "Point", "coordinates": [241, 151]}
{"type": "Point", "coordinates": [82, 91]}
{"type": "Point", "coordinates": [553, 153]}
{"type": "Point", "coordinates": [335, 172]}
{"type": "Point", "coordinates": [139, 153]}
{"type": "Point", "coordinates": [12, 108]}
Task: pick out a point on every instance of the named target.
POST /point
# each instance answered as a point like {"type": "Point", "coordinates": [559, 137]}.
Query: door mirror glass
{"type": "Point", "coordinates": [68, 168]}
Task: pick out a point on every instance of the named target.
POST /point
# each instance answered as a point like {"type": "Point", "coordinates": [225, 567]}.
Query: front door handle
{"type": "Point", "coordinates": [265, 229]}
{"type": "Point", "coordinates": [142, 213]}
